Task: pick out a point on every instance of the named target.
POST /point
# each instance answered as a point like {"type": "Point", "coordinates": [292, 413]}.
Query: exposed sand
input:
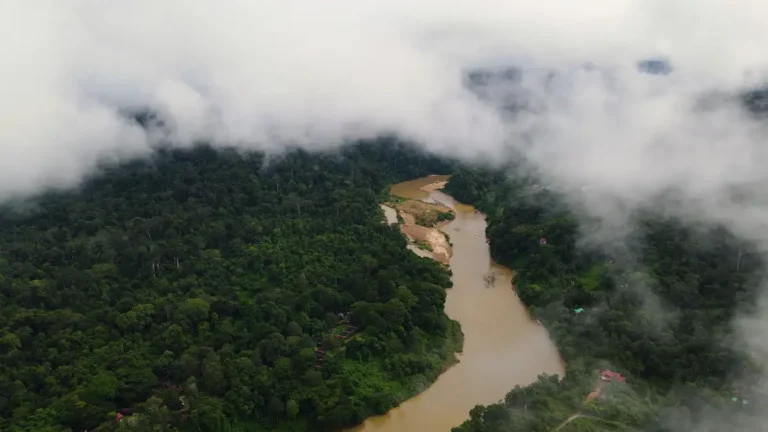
{"type": "Point", "coordinates": [420, 252]}
{"type": "Point", "coordinates": [441, 250]}
{"type": "Point", "coordinates": [408, 218]}
{"type": "Point", "coordinates": [420, 206]}
{"type": "Point", "coordinates": [426, 213]}
{"type": "Point", "coordinates": [434, 186]}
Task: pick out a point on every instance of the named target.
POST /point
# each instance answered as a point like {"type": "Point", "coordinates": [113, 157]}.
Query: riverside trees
{"type": "Point", "coordinates": [658, 307]}
{"type": "Point", "coordinates": [189, 292]}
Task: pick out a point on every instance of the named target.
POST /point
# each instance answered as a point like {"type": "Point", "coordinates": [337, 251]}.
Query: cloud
{"type": "Point", "coordinates": [263, 74]}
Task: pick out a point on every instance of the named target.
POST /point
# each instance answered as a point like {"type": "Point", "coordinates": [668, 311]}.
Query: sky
{"type": "Point", "coordinates": [267, 74]}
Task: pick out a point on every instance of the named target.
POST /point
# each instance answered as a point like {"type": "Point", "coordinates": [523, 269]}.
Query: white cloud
{"type": "Point", "coordinates": [262, 73]}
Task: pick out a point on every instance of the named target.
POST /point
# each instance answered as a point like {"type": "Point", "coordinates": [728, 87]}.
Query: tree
{"type": "Point", "coordinates": [292, 409]}
{"type": "Point", "coordinates": [191, 279]}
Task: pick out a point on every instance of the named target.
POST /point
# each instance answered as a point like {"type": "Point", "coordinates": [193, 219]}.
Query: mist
{"type": "Point", "coordinates": [267, 76]}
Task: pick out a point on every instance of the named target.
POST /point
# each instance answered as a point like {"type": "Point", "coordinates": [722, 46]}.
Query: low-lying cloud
{"type": "Point", "coordinates": [268, 74]}
{"type": "Point", "coordinates": [261, 75]}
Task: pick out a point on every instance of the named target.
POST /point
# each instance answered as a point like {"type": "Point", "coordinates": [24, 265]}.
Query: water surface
{"type": "Point", "coordinates": [503, 347]}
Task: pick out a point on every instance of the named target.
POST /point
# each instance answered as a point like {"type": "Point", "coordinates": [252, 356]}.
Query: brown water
{"type": "Point", "coordinates": [503, 347]}
{"type": "Point", "coordinates": [413, 188]}
{"type": "Point", "coordinates": [390, 214]}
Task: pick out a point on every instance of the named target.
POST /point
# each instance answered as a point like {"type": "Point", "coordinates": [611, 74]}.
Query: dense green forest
{"type": "Point", "coordinates": [655, 306]}
{"type": "Point", "coordinates": [211, 290]}
{"type": "Point", "coordinates": [208, 290]}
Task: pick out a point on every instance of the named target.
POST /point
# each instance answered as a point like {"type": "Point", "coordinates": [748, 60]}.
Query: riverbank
{"type": "Point", "coordinates": [421, 217]}
{"type": "Point", "coordinates": [502, 346]}
{"type": "Point", "coordinates": [581, 296]}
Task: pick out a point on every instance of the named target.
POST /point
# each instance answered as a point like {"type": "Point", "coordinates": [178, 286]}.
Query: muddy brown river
{"type": "Point", "coordinates": [503, 347]}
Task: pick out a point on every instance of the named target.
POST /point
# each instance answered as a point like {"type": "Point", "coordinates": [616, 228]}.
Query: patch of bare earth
{"type": "Point", "coordinates": [434, 186]}
{"type": "Point", "coordinates": [422, 217]}
{"type": "Point", "coordinates": [414, 228]}
{"type": "Point", "coordinates": [408, 218]}
{"type": "Point", "coordinates": [441, 250]}
{"type": "Point", "coordinates": [422, 213]}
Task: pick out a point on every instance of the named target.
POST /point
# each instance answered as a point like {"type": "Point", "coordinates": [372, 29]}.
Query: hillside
{"type": "Point", "coordinates": [656, 310]}
{"type": "Point", "coordinates": [211, 291]}
{"type": "Point", "coordinates": [214, 291]}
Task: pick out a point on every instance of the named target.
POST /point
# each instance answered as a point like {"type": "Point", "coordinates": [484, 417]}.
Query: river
{"type": "Point", "coordinates": [503, 347]}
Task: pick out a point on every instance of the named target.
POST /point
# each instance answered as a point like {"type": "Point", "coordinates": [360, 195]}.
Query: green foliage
{"type": "Point", "coordinates": [447, 216]}
{"type": "Point", "coordinates": [190, 293]}
{"type": "Point", "coordinates": [423, 245]}
{"type": "Point", "coordinates": [657, 309]}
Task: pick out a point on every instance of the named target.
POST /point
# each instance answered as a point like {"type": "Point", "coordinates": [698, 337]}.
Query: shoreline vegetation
{"type": "Point", "coordinates": [218, 291]}
{"type": "Point", "coordinates": [497, 325]}
{"type": "Point", "coordinates": [676, 369]}
{"type": "Point", "coordinates": [212, 290]}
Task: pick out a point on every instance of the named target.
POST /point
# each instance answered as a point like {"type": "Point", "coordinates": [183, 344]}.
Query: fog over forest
{"type": "Point", "coordinates": [557, 83]}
